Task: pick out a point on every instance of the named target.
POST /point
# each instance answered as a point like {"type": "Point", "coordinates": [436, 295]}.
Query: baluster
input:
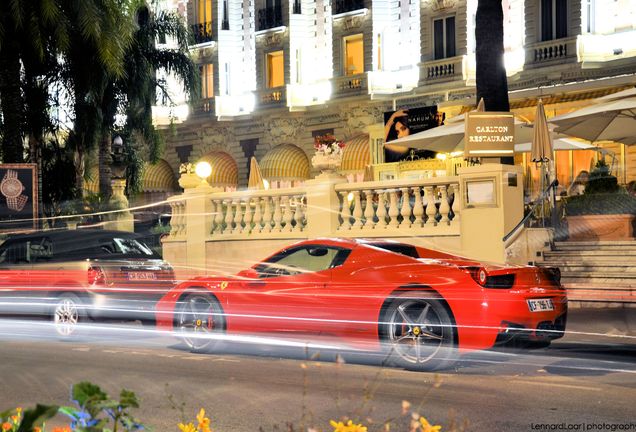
{"type": "Point", "coordinates": [258, 216]}
{"type": "Point", "coordinates": [405, 211]}
{"type": "Point", "coordinates": [418, 207]}
{"type": "Point", "coordinates": [357, 210]}
{"type": "Point", "coordinates": [287, 215]}
{"type": "Point", "coordinates": [247, 217]}
{"type": "Point", "coordinates": [456, 203]}
{"type": "Point", "coordinates": [369, 212]}
{"type": "Point", "coordinates": [345, 212]}
{"type": "Point", "coordinates": [238, 216]}
{"type": "Point", "coordinates": [394, 212]}
{"type": "Point", "coordinates": [299, 214]}
{"type": "Point", "coordinates": [444, 206]}
{"type": "Point", "coordinates": [229, 216]}
{"type": "Point", "coordinates": [213, 209]}
{"type": "Point", "coordinates": [267, 216]}
{"type": "Point", "coordinates": [218, 218]}
{"type": "Point", "coordinates": [381, 208]}
{"type": "Point", "coordinates": [278, 215]}
{"type": "Point", "coordinates": [431, 210]}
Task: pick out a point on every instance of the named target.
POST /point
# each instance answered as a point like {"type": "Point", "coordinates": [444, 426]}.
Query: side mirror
{"type": "Point", "coordinates": [248, 274]}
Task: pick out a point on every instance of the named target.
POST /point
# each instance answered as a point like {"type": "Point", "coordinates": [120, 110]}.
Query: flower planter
{"type": "Point", "coordinates": [601, 227]}
{"type": "Point", "coordinates": [326, 163]}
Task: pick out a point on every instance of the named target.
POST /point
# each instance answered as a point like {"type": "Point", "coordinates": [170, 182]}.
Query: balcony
{"type": "Point", "coordinates": [392, 82]}
{"type": "Point", "coordinates": [344, 6]}
{"type": "Point", "coordinates": [202, 32]}
{"type": "Point", "coordinates": [272, 97]}
{"type": "Point", "coordinates": [351, 85]}
{"type": "Point", "coordinates": [203, 107]}
{"type": "Point", "coordinates": [553, 51]}
{"type": "Point", "coordinates": [596, 49]}
{"type": "Point", "coordinates": [270, 17]}
{"type": "Point", "coordinates": [444, 70]}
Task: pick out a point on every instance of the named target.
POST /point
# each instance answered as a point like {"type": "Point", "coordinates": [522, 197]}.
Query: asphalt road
{"type": "Point", "coordinates": [585, 381]}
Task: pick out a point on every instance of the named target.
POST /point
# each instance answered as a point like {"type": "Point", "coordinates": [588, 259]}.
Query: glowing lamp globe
{"type": "Point", "coordinates": [203, 170]}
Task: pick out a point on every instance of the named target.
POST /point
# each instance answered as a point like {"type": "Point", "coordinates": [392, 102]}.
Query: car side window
{"type": "Point", "coordinates": [304, 259]}
{"type": "Point", "coordinates": [16, 252]}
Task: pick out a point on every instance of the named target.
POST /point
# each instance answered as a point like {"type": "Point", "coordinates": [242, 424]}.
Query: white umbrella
{"type": "Point", "coordinates": [561, 143]}
{"type": "Point", "coordinates": [614, 120]}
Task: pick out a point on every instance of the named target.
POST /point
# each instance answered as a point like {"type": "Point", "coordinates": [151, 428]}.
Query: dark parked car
{"type": "Point", "coordinates": [71, 276]}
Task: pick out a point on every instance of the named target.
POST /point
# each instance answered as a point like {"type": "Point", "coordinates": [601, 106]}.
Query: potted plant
{"type": "Point", "coordinates": [605, 210]}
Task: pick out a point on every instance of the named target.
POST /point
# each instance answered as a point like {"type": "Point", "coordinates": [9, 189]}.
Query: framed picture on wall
{"type": "Point", "coordinates": [18, 197]}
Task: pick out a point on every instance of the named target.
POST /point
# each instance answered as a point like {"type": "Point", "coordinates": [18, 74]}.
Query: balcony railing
{"type": "Point", "coordinates": [202, 32]}
{"type": "Point", "coordinates": [553, 50]}
{"type": "Point", "coordinates": [272, 97]}
{"type": "Point", "coordinates": [351, 85]}
{"type": "Point", "coordinates": [270, 17]}
{"type": "Point", "coordinates": [343, 6]}
{"type": "Point", "coordinates": [203, 107]}
{"type": "Point", "coordinates": [448, 69]}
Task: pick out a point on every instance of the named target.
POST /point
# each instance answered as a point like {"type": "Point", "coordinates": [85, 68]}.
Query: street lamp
{"type": "Point", "coordinates": [118, 155]}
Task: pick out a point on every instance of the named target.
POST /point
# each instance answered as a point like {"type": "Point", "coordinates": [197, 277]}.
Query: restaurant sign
{"type": "Point", "coordinates": [489, 134]}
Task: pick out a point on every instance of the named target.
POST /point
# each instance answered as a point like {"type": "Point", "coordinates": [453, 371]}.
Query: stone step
{"type": "Point", "coordinates": [591, 268]}
{"type": "Point", "coordinates": [599, 282]}
{"type": "Point", "coordinates": [586, 244]}
{"type": "Point", "coordinates": [626, 254]}
{"type": "Point", "coordinates": [586, 292]}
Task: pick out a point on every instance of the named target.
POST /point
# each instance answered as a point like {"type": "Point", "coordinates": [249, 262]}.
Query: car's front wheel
{"type": "Point", "coordinates": [68, 315]}
{"type": "Point", "coordinates": [420, 332]}
{"type": "Point", "coordinates": [199, 322]}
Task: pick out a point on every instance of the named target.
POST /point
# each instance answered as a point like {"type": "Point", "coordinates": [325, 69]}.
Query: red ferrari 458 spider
{"type": "Point", "coordinates": [420, 306]}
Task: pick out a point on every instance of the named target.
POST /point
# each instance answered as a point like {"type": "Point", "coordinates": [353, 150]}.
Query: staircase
{"type": "Point", "coordinates": [596, 273]}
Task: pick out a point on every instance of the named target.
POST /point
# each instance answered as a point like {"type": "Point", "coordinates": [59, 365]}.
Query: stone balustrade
{"type": "Point", "coordinates": [178, 220]}
{"type": "Point", "coordinates": [448, 69]}
{"type": "Point", "coordinates": [558, 49]}
{"type": "Point", "coordinates": [258, 213]}
{"type": "Point", "coordinates": [399, 208]}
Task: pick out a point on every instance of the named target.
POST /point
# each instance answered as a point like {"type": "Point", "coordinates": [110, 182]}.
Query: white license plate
{"type": "Point", "coordinates": [141, 276]}
{"type": "Point", "coordinates": [540, 305]}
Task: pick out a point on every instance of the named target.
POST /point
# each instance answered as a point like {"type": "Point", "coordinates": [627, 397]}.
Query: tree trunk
{"type": "Point", "coordinates": [105, 160]}
{"type": "Point", "coordinates": [492, 84]}
{"type": "Point", "coordinates": [12, 104]}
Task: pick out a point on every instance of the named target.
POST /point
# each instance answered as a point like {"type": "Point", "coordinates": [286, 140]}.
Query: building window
{"type": "Point", "coordinates": [444, 37]}
{"type": "Point", "coordinates": [353, 55]}
{"type": "Point", "coordinates": [271, 15]}
{"type": "Point", "coordinates": [589, 11]}
{"type": "Point", "coordinates": [202, 30]}
{"type": "Point", "coordinates": [275, 73]}
{"type": "Point", "coordinates": [554, 19]}
{"type": "Point", "coordinates": [207, 80]}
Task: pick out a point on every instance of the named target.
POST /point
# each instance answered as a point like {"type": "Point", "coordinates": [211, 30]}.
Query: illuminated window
{"type": "Point", "coordinates": [204, 11]}
{"type": "Point", "coordinates": [353, 55]}
{"type": "Point", "coordinates": [589, 12]}
{"type": "Point", "coordinates": [206, 72]}
{"type": "Point", "coordinates": [275, 73]}
{"type": "Point", "coordinates": [444, 37]}
{"type": "Point", "coordinates": [554, 19]}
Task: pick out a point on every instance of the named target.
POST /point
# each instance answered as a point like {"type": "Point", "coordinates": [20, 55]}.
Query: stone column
{"type": "Point", "coordinates": [122, 219]}
{"type": "Point", "coordinates": [323, 205]}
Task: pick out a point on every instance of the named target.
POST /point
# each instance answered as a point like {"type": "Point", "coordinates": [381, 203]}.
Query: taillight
{"type": "Point", "coordinates": [96, 276]}
{"type": "Point", "coordinates": [479, 275]}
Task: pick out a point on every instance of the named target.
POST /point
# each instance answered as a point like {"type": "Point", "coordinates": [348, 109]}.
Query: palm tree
{"type": "Point", "coordinates": [30, 35]}
{"type": "Point", "coordinates": [492, 84]}
{"type": "Point", "coordinates": [100, 33]}
{"type": "Point", "coordinates": [139, 85]}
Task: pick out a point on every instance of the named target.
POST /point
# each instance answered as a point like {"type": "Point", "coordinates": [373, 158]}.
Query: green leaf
{"type": "Point", "coordinates": [36, 416]}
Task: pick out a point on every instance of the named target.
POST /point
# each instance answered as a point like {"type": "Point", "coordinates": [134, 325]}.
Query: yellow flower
{"type": "Point", "coordinates": [37, 429]}
{"type": "Point", "coordinates": [187, 428]}
{"type": "Point", "coordinates": [204, 422]}
{"type": "Point", "coordinates": [427, 427]}
{"type": "Point", "coordinates": [62, 429]}
{"type": "Point", "coordinates": [349, 427]}
{"type": "Point", "coordinates": [7, 426]}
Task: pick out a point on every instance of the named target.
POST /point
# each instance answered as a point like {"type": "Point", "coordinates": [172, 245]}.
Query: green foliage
{"type": "Point", "coordinates": [601, 203]}
{"type": "Point", "coordinates": [601, 181]}
{"type": "Point", "coordinates": [95, 410]}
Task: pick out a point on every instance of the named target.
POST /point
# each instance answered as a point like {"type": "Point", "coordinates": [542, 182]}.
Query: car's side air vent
{"type": "Point", "coordinates": [500, 281]}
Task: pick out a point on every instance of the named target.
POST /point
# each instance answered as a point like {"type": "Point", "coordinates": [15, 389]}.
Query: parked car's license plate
{"type": "Point", "coordinates": [141, 276]}
{"type": "Point", "coordinates": [540, 305]}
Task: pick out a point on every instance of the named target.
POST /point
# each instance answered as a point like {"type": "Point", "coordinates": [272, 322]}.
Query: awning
{"type": "Point", "coordinates": [285, 162]}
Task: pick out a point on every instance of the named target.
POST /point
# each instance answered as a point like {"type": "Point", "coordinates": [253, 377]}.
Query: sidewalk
{"type": "Point", "coordinates": [607, 321]}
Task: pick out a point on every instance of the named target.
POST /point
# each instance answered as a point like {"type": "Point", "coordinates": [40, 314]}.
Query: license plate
{"type": "Point", "coordinates": [540, 305]}
{"type": "Point", "coordinates": [141, 276]}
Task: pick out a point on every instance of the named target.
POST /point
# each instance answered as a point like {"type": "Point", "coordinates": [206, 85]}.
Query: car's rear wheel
{"type": "Point", "coordinates": [68, 315]}
{"type": "Point", "coordinates": [420, 332]}
{"type": "Point", "coordinates": [199, 322]}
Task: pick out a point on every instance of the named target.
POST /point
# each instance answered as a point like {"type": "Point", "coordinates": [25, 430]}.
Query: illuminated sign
{"type": "Point", "coordinates": [489, 134]}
